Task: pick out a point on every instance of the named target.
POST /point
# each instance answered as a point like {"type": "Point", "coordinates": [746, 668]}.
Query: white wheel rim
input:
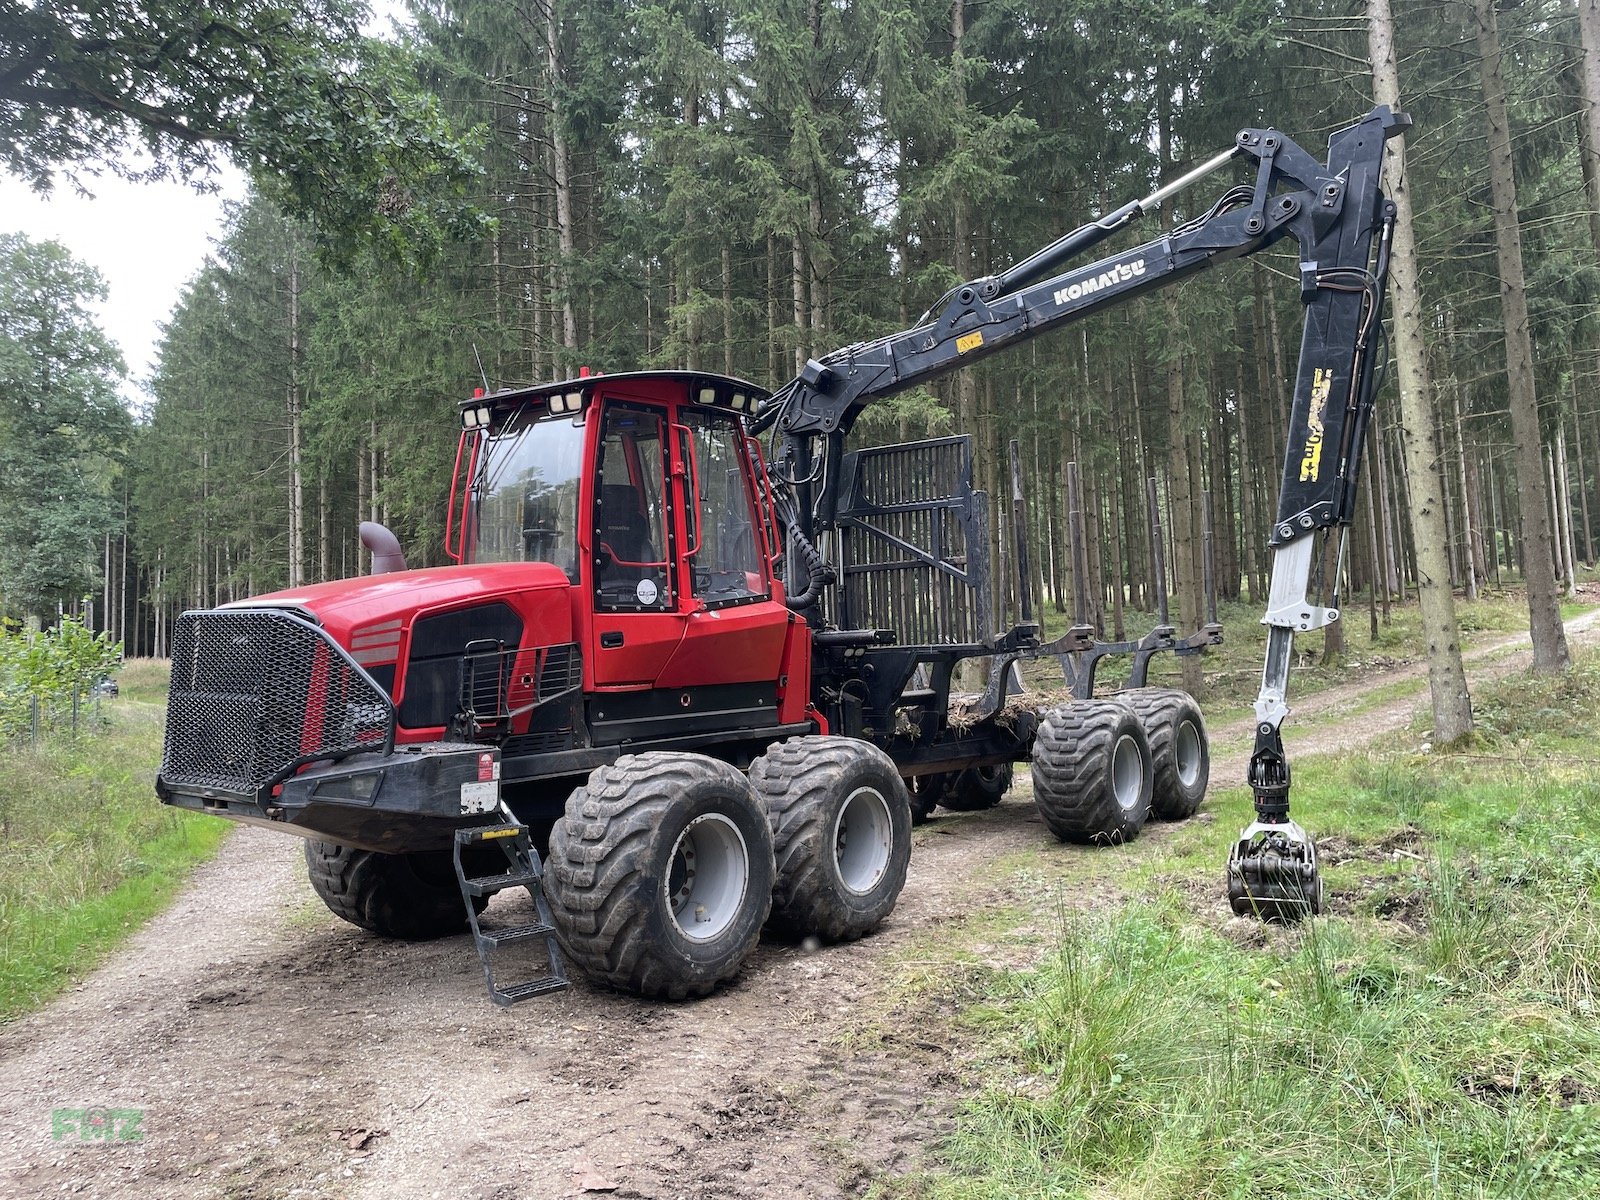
{"type": "Point", "coordinates": [863, 835]}
{"type": "Point", "coordinates": [1187, 753]}
{"type": "Point", "coordinates": [707, 874]}
{"type": "Point", "coordinates": [1127, 772]}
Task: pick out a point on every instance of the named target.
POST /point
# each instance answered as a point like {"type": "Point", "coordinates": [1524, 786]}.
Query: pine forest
{"type": "Point", "coordinates": [738, 185]}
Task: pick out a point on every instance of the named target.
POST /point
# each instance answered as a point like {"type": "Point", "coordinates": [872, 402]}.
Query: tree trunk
{"type": "Point", "coordinates": [324, 519]}
{"type": "Point", "coordinates": [802, 342]}
{"type": "Point", "coordinates": [561, 170]}
{"type": "Point", "coordinates": [727, 310]}
{"type": "Point", "coordinates": [1452, 704]}
{"type": "Point", "coordinates": [1550, 653]}
{"type": "Point", "coordinates": [1380, 482]}
{"type": "Point", "coordinates": [106, 615]}
{"type": "Point", "coordinates": [1119, 559]}
{"type": "Point", "coordinates": [772, 309]}
{"type": "Point", "coordinates": [1469, 521]}
{"type": "Point", "coordinates": [373, 488]}
{"type": "Point", "coordinates": [1183, 485]}
{"type": "Point", "coordinates": [1181, 505]}
{"type": "Point", "coordinates": [1583, 478]}
{"type": "Point", "coordinates": [1589, 142]}
{"type": "Point", "coordinates": [1223, 546]}
{"type": "Point", "coordinates": [1478, 518]}
{"type": "Point", "coordinates": [122, 573]}
{"type": "Point", "coordinates": [297, 499]}
{"type": "Point", "coordinates": [1333, 633]}
{"type": "Point", "coordinates": [1564, 498]}
{"type": "Point", "coordinates": [1377, 565]}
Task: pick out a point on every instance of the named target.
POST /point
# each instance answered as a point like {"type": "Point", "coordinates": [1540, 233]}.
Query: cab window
{"type": "Point", "coordinates": [726, 556]}
{"type": "Point", "coordinates": [631, 554]}
{"type": "Point", "coordinates": [526, 492]}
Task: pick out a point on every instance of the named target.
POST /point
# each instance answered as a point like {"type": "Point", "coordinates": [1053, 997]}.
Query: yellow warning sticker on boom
{"type": "Point", "coordinates": [969, 341]}
{"type": "Point", "coordinates": [1311, 460]}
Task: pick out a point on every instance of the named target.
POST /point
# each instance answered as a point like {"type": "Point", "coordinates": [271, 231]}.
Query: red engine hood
{"type": "Point", "coordinates": [346, 604]}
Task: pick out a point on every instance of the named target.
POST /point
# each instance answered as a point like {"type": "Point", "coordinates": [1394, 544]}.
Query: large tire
{"type": "Point", "coordinates": [841, 830]}
{"type": "Point", "coordinates": [1091, 772]}
{"type": "Point", "coordinates": [660, 874]}
{"type": "Point", "coordinates": [411, 896]}
{"type": "Point", "coordinates": [1180, 753]}
{"type": "Point", "coordinates": [977, 788]}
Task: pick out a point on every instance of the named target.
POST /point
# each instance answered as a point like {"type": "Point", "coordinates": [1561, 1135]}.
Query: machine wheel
{"type": "Point", "coordinates": [1180, 753]}
{"type": "Point", "coordinates": [923, 792]}
{"type": "Point", "coordinates": [1091, 772]}
{"type": "Point", "coordinates": [660, 874]}
{"type": "Point", "coordinates": [412, 896]}
{"type": "Point", "coordinates": [977, 788]}
{"type": "Point", "coordinates": [841, 828]}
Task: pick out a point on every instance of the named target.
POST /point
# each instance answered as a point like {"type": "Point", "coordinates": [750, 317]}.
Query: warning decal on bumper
{"type": "Point", "coordinates": [480, 797]}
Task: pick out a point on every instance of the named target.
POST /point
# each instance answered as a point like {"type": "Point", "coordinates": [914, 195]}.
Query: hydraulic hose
{"type": "Point", "coordinates": [819, 574]}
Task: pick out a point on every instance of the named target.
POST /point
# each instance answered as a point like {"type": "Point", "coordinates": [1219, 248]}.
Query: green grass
{"type": "Point", "coordinates": [1435, 1035]}
{"type": "Point", "coordinates": [87, 854]}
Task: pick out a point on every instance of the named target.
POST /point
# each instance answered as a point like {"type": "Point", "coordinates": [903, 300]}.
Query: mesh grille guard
{"type": "Point", "coordinates": [257, 693]}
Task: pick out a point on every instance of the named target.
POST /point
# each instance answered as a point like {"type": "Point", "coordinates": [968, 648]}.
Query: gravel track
{"type": "Point", "coordinates": [276, 1052]}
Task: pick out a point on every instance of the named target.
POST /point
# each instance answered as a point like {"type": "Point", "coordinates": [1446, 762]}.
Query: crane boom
{"type": "Point", "coordinates": [1337, 213]}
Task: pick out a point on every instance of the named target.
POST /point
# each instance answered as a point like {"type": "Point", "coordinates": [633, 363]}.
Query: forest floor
{"type": "Point", "coordinates": [271, 1051]}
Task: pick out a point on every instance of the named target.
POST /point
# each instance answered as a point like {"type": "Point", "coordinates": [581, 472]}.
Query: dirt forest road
{"type": "Point", "coordinates": [272, 1051]}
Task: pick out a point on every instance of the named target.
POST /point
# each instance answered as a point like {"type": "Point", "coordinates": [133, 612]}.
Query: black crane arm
{"type": "Point", "coordinates": [1341, 220]}
{"type": "Point", "coordinates": [1335, 210]}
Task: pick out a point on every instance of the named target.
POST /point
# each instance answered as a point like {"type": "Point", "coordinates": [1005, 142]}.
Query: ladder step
{"type": "Point", "coordinates": [488, 833]}
{"type": "Point", "coordinates": [488, 885]}
{"type": "Point", "coordinates": [523, 869]}
{"type": "Point", "coordinates": [526, 991]}
{"type": "Point", "coordinates": [517, 933]}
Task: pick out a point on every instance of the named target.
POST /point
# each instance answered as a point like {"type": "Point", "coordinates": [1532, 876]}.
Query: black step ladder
{"type": "Point", "coordinates": [524, 870]}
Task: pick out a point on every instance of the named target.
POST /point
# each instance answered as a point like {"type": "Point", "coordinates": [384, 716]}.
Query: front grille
{"type": "Point", "coordinates": [256, 693]}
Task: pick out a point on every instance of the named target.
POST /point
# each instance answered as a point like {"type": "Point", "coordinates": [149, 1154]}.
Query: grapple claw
{"type": "Point", "coordinates": [1273, 873]}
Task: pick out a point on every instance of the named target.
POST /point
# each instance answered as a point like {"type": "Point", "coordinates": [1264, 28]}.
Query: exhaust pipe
{"type": "Point", "coordinates": [385, 547]}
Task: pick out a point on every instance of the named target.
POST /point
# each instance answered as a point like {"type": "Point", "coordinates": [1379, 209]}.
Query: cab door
{"type": "Point", "coordinates": [633, 553]}
{"type": "Point", "coordinates": [735, 631]}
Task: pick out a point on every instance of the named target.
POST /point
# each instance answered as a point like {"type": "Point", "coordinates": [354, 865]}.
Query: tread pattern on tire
{"type": "Point", "coordinates": [1161, 710]}
{"type": "Point", "coordinates": [1072, 764]}
{"type": "Point", "coordinates": [384, 893]}
{"type": "Point", "coordinates": [796, 780]}
{"type": "Point", "coordinates": [610, 909]}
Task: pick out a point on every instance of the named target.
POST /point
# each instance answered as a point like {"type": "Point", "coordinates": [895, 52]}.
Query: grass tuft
{"type": "Point", "coordinates": [1435, 1036]}
{"type": "Point", "coordinates": [87, 853]}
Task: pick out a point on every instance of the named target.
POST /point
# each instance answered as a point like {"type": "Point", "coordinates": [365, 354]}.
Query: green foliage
{"type": "Point", "coordinates": [1433, 1036]}
{"type": "Point", "coordinates": [1540, 710]}
{"type": "Point", "coordinates": [334, 124]}
{"type": "Point", "coordinates": [1150, 1057]}
{"type": "Point", "coordinates": [53, 670]}
{"type": "Point", "coordinates": [740, 186]}
{"type": "Point", "coordinates": [86, 853]}
{"type": "Point", "coordinates": [62, 428]}
{"type": "Point", "coordinates": [262, 339]}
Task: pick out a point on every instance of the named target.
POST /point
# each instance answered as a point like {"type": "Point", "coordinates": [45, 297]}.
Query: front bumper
{"type": "Point", "coordinates": [413, 798]}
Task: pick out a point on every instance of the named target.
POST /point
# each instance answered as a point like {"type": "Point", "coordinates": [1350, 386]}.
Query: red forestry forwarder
{"type": "Point", "coordinates": [709, 680]}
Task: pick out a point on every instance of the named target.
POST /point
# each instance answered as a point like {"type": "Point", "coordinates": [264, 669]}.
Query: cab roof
{"type": "Point", "coordinates": [710, 388]}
